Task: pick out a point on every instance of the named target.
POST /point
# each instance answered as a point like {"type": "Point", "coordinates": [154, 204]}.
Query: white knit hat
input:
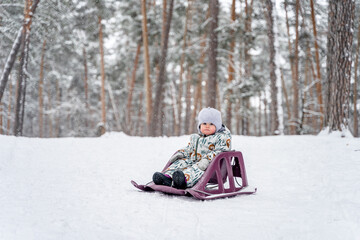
{"type": "Point", "coordinates": [210, 115]}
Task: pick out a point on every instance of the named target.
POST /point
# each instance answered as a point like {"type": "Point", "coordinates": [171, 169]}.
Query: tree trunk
{"type": "Point", "coordinates": [20, 88]}
{"type": "Point", "coordinates": [287, 103]}
{"type": "Point", "coordinates": [103, 104]}
{"type": "Point", "coordinates": [292, 66]}
{"type": "Point", "coordinates": [86, 78]}
{"type": "Point", "coordinates": [113, 105]}
{"type": "Point", "coordinates": [25, 76]}
{"type": "Point", "coordinates": [10, 61]}
{"type": "Point", "coordinates": [341, 17]}
{"type": "Point", "coordinates": [164, 20]}
{"type": "Point", "coordinates": [132, 85]}
{"type": "Point", "coordinates": [140, 127]}
{"type": "Point", "coordinates": [156, 116]}
{"type": "Point", "coordinates": [58, 99]}
{"type": "Point", "coordinates": [22, 77]}
{"type": "Point", "coordinates": [197, 97]}
{"type": "Point", "coordinates": [296, 68]}
{"type": "Point", "coordinates": [9, 106]}
{"type": "Point", "coordinates": [212, 54]}
{"type": "Point", "coordinates": [307, 87]}
{"type": "Point", "coordinates": [147, 79]}
{"type": "Point", "coordinates": [330, 52]}
{"type": "Point", "coordinates": [231, 70]}
{"type": "Point", "coordinates": [198, 103]}
{"type": "Point", "coordinates": [173, 95]}
{"type": "Point", "coordinates": [247, 119]}
{"type": "Point", "coordinates": [238, 116]}
{"type": "Point", "coordinates": [356, 126]}
{"type": "Point", "coordinates": [188, 97]}
{"type": "Point", "coordinates": [29, 13]}
{"type": "Point", "coordinates": [266, 116]}
{"type": "Point", "coordinates": [317, 59]}
{"type": "Point", "coordinates": [41, 87]}
{"type": "Point", "coordinates": [248, 38]}
{"type": "Point", "coordinates": [182, 59]}
{"type": "Point", "coordinates": [259, 119]}
{"type": "Point", "coordinates": [273, 107]}
{"type": "Point", "coordinates": [248, 65]}
{"type": "Point", "coordinates": [1, 118]}
{"type": "Point", "coordinates": [86, 88]}
{"type": "Point", "coordinates": [49, 107]}
{"type": "Point", "coordinates": [311, 92]}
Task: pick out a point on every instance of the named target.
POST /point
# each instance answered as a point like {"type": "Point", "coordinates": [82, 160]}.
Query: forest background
{"type": "Point", "coordinates": [80, 68]}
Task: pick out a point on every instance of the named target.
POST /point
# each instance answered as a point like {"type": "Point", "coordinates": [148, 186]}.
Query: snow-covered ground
{"type": "Point", "coordinates": [72, 188]}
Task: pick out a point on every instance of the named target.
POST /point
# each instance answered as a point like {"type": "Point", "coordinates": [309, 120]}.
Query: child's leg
{"type": "Point", "coordinates": [192, 175]}
{"type": "Point", "coordinates": [180, 164]}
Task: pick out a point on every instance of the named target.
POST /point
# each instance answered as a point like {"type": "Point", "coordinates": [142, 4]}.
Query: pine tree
{"type": "Point", "coordinates": [273, 106]}
{"type": "Point", "coordinates": [212, 54]}
{"type": "Point", "coordinates": [148, 88]}
{"type": "Point", "coordinates": [156, 116]}
{"type": "Point", "coordinates": [340, 36]}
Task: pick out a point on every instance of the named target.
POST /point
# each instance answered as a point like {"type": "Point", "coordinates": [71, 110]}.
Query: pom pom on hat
{"type": "Point", "coordinates": [210, 115]}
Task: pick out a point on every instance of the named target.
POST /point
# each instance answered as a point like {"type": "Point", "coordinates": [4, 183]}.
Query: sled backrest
{"type": "Point", "coordinates": [223, 171]}
{"type": "Point", "coordinates": [225, 167]}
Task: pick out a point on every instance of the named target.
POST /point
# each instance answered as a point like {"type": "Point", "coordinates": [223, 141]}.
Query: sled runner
{"type": "Point", "coordinates": [224, 177]}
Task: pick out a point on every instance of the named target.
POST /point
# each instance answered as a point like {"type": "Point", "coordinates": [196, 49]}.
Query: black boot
{"type": "Point", "coordinates": [161, 179]}
{"type": "Point", "coordinates": [179, 180]}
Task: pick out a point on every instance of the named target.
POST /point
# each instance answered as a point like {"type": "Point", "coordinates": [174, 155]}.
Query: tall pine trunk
{"type": "Point", "coordinates": [287, 103]}
{"type": "Point", "coordinates": [273, 87]}
{"type": "Point", "coordinates": [248, 65]}
{"type": "Point", "coordinates": [198, 103]}
{"type": "Point", "coordinates": [188, 97]}
{"type": "Point", "coordinates": [29, 13]}
{"type": "Point", "coordinates": [356, 126]}
{"type": "Point", "coordinates": [274, 104]}
{"type": "Point", "coordinates": [212, 54]}
{"type": "Point", "coordinates": [20, 86]}
{"type": "Point", "coordinates": [49, 107]}
{"type": "Point", "coordinates": [296, 68]}
{"type": "Point", "coordinates": [1, 118]}
{"type": "Point", "coordinates": [132, 86]}
{"type": "Point", "coordinates": [29, 10]}
{"type": "Point", "coordinates": [147, 79]}
{"type": "Point", "coordinates": [292, 67]}
{"type": "Point", "coordinates": [340, 37]}
{"type": "Point", "coordinates": [156, 114]}
{"type": "Point", "coordinates": [9, 106]}
{"type": "Point", "coordinates": [317, 59]}
{"type": "Point", "coordinates": [41, 87]}
{"type": "Point", "coordinates": [86, 87]}
{"type": "Point", "coordinates": [231, 71]}
{"type": "Point", "coordinates": [58, 99]}
{"type": "Point", "coordinates": [102, 65]}
{"type": "Point", "coordinates": [182, 60]}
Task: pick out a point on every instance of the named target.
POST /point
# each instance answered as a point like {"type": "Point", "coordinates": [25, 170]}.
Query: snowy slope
{"type": "Point", "coordinates": [71, 188]}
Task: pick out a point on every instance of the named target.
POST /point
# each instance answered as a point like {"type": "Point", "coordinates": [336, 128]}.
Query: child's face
{"type": "Point", "coordinates": [207, 128]}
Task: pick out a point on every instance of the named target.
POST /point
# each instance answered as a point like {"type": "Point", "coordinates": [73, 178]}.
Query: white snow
{"type": "Point", "coordinates": [72, 188]}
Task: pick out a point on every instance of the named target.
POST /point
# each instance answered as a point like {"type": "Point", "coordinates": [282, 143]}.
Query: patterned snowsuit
{"type": "Point", "coordinates": [200, 147]}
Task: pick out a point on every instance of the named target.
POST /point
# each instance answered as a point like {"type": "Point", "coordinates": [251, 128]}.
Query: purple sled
{"type": "Point", "coordinates": [224, 177]}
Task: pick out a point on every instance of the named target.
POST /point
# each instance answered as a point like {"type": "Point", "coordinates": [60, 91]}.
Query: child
{"type": "Point", "coordinates": [189, 164]}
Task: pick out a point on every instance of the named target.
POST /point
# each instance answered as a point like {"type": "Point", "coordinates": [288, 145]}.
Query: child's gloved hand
{"type": "Point", "coordinates": [203, 164]}
{"type": "Point", "coordinates": [176, 156]}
